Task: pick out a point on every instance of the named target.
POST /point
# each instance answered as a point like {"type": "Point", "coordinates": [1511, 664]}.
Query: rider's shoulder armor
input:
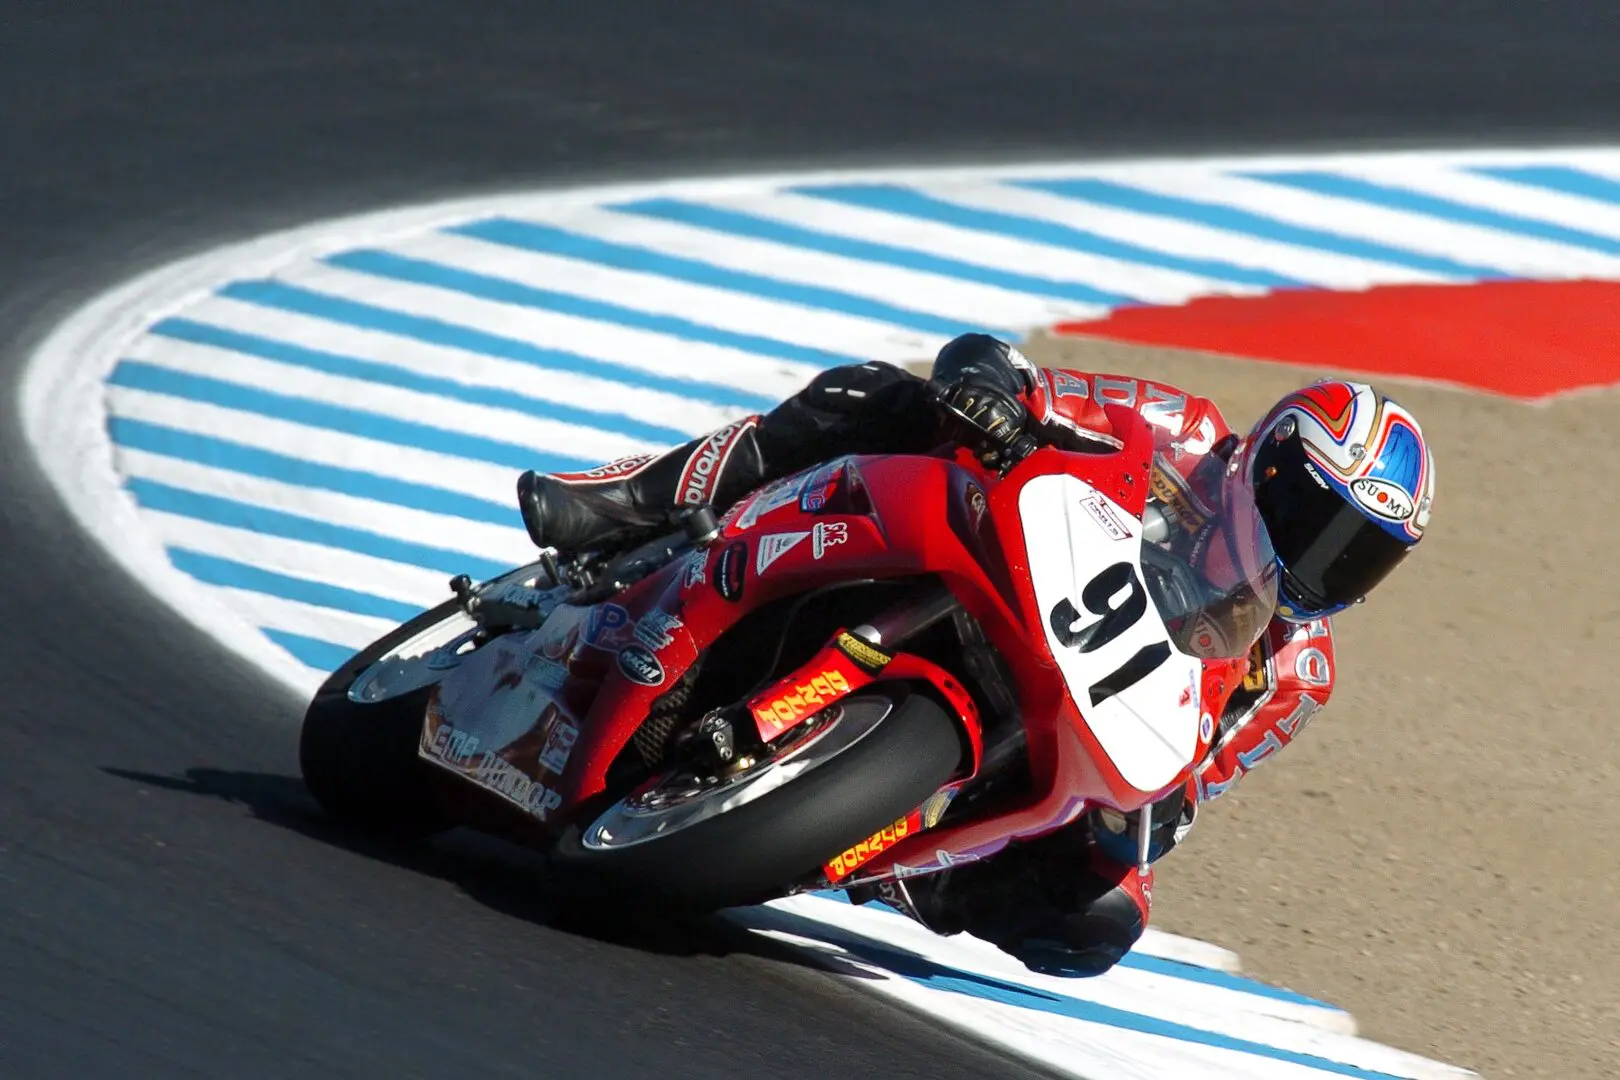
{"type": "Point", "coordinates": [1290, 677]}
{"type": "Point", "coordinates": [1076, 398]}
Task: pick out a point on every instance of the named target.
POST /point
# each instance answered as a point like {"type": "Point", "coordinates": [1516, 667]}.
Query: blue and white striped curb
{"type": "Point", "coordinates": [298, 440]}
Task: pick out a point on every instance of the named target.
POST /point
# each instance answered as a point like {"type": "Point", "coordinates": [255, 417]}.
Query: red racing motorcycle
{"type": "Point", "coordinates": [875, 668]}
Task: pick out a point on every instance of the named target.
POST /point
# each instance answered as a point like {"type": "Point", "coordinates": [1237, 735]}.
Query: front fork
{"type": "Point", "coordinates": [850, 662]}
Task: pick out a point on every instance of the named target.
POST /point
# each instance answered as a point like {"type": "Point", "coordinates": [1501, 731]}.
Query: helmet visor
{"type": "Point", "coordinates": [1332, 553]}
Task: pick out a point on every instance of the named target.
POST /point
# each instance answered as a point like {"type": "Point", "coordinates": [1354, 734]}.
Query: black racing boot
{"type": "Point", "coordinates": [622, 500]}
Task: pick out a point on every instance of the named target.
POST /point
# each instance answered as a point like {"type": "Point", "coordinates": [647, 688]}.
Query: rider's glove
{"type": "Point", "coordinates": [991, 409]}
{"type": "Point", "coordinates": [987, 402]}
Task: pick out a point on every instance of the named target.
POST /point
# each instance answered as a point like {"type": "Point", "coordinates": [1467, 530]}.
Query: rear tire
{"type": "Point", "coordinates": [360, 760]}
{"type": "Point", "coordinates": [753, 852]}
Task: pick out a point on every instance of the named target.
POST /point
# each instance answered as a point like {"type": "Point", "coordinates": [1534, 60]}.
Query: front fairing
{"type": "Point", "coordinates": [1136, 692]}
{"type": "Point", "coordinates": [1144, 625]}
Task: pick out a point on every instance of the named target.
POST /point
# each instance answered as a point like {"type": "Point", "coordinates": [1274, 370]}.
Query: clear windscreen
{"type": "Point", "coordinates": [1207, 560]}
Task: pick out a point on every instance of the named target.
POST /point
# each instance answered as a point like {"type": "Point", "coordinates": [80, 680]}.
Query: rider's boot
{"type": "Point", "coordinates": [1067, 918]}
{"type": "Point", "coordinates": [857, 408]}
{"type": "Point", "coordinates": [622, 500]}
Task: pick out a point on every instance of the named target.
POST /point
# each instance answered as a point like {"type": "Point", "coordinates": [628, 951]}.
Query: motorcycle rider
{"type": "Point", "coordinates": [1340, 474]}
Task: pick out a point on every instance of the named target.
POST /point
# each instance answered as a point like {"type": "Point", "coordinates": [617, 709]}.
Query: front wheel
{"type": "Point", "coordinates": [360, 760]}
{"type": "Point", "coordinates": [707, 844]}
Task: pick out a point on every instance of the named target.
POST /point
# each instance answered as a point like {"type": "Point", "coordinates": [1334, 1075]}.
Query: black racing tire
{"type": "Point", "coordinates": [360, 761]}
{"type": "Point", "coordinates": [752, 853]}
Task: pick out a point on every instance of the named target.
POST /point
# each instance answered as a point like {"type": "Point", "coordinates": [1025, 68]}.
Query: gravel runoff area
{"type": "Point", "coordinates": [1436, 853]}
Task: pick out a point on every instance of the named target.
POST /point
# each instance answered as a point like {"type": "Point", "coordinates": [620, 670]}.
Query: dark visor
{"type": "Point", "coordinates": [1332, 553]}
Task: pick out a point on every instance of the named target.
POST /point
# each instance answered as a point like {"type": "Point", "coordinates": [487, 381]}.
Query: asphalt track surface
{"type": "Point", "coordinates": [170, 901]}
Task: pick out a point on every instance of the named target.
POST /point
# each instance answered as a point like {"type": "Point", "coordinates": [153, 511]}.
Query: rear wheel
{"type": "Point", "coordinates": [706, 844]}
{"type": "Point", "coordinates": [360, 760]}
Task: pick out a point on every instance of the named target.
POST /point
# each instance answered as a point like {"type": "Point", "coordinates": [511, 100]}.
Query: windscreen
{"type": "Point", "coordinates": [1207, 559]}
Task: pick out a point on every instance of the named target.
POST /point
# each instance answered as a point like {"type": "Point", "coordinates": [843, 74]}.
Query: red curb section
{"type": "Point", "coordinates": [1523, 339]}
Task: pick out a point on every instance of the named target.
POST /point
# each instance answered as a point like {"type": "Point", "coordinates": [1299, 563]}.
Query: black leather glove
{"type": "Point", "coordinates": [978, 383]}
{"type": "Point", "coordinates": [990, 409]}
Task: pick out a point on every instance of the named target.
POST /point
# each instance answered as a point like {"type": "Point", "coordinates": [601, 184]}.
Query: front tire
{"type": "Point", "coordinates": [360, 760]}
{"type": "Point", "coordinates": [754, 851]}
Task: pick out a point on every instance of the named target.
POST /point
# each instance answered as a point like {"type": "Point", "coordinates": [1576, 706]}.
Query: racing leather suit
{"type": "Point", "coordinates": [1071, 902]}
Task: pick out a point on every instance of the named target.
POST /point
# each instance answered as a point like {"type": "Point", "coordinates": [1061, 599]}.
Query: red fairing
{"type": "Point", "coordinates": [1298, 667]}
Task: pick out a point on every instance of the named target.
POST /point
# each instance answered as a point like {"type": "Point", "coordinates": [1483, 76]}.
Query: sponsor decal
{"type": "Point", "coordinates": [976, 503]}
{"type": "Point", "coordinates": [943, 860]}
{"type": "Point", "coordinates": [778, 495]}
{"type": "Point", "coordinates": [1271, 744]}
{"type": "Point", "coordinates": [501, 777]}
{"type": "Point", "coordinates": [1292, 724]}
{"type": "Point", "coordinates": [560, 737]}
{"type": "Point", "coordinates": [773, 547]}
{"type": "Point", "coordinates": [641, 666]}
{"type": "Point", "coordinates": [1165, 485]}
{"type": "Point", "coordinates": [1164, 407]}
{"type": "Point", "coordinates": [608, 628]}
{"type": "Point", "coordinates": [448, 744]}
{"type": "Point", "coordinates": [1206, 728]}
{"type": "Point", "coordinates": [1200, 441]}
{"type": "Point", "coordinates": [696, 564]}
{"type": "Point", "coordinates": [819, 489]}
{"type": "Point", "coordinates": [731, 571]}
{"type": "Point", "coordinates": [1097, 508]}
{"type": "Point", "coordinates": [803, 700]}
{"type": "Point", "coordinates": [557, 638]}
{"type": "Point", "coordinates": [825, 535]}
{"type": "Point", "coordinates": [1067, 384]}
{"type": "Point", "coordinates": [1312, 666]}
{"type": "Point", "coordinates": [519, 596]}
{"type": "Point", "coordinates": [1255, 679]}
{"type": "Point", "coordinates": [934, 807]}
{"type": "Point", "coordinates": [1382, 498]}
{"type": "Point", "coordinates": [867, 656]}
{"type": "Point", "coordinates": [655, 629]}
{"type": "Point", "coordinates": [1208, 640]}
{"type": "Point", "coordinates": [1321, 483]}
{"type": "Point", "coordinates": [613, 470]}
{"type": "Point", "coordinates": [1112, 391]}
{"type": "Point", "coordinates": [843, 864]}
{"type": "Point", "coordinates": [703, 468]}
{"type": "Point", "coordinates": [543, 672]}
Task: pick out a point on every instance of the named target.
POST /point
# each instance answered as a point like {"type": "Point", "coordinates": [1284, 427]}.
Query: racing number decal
{"type": "Point", "coordinates": [1119, 666]}
{"type": "Point", "coordinates": [1117, 597]}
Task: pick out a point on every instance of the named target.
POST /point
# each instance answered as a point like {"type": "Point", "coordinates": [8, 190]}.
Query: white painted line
{"type": "Point", "coordinates": [1325, 269]}
{"type": "Point", "coordinates": [466, 367]}
{"type": "Point", "coordinates": [1148, 284]}
{"type": "Point", "coordinates": [652, 293]}
{"type": "Point", "coordinates": [379, 398]}
{"type": "Point", "coordinates": [933, 294]}
{"type": "Point", "coordinates": [500, 543]}
{"type": "Point", "coordinates": [452, 474]}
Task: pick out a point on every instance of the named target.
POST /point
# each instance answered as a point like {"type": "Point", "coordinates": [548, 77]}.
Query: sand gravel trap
{"type": "Point", "coordinates": [1437, 854]}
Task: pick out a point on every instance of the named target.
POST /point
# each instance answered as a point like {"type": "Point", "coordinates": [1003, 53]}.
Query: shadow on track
{"type": "Point", "coordinates": [504, 877]}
